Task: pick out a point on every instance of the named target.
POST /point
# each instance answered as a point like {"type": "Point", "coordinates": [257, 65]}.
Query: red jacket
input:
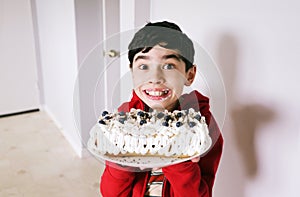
{"type": "Point", "coordinates": [183, 179]}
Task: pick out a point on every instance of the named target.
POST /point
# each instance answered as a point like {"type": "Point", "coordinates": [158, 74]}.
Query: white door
{"type": "Point", "coordinates": [18, 75]}
{"type": "Point", "coordinates": [120, 21]}
{"type": "Point", "coordinates": [111, 47]}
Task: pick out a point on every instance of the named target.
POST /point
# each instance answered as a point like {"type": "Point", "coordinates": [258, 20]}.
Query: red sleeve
{"type": "Point", "coordinates": [184, 179]}
{"type": "Point", "coordinates": [116, 182]}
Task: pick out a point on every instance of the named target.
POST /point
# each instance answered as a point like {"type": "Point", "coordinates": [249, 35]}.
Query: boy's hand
{"type": "Point", "coordinates": [196, 159]}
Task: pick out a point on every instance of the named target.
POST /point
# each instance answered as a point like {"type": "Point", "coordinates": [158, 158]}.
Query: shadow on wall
{"type": "Point", "coordinates": [243, 123]}
{"type": "Point", "coordinates": [246, 120]}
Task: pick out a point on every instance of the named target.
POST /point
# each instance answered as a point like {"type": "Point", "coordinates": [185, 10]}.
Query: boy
{"type": "Point", "coordinates": [161, 61]}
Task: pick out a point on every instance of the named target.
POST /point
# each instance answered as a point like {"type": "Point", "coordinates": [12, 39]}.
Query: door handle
{"type": "Point", "coordinates": [112, 53]}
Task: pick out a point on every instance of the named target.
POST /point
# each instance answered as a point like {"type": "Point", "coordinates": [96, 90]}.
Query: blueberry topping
{"type": "Point", "coordinates": [167, 118]}
{"type": "Point", "coordinates": [186, 111]}
{"type": "Point", "coordinates": [121, 113]}
{"type": "Point", "coordinates": [122, 120]}
{"type": "Point", "coordinates": [140, 113]}
{"type": "Point", "coordinates": [192, 124]}
{"type": "Point", "coordinates": [179, 124]}
{"type": "Point", "coordinates": [107, 117]}
{"type": "Point", "coordinates": [102, 122]}
{"type": "Point", "coordinates": [147, 115]}
{"type": "Point", "coordinates": [151, 110]}
{"type": "Point", "coordinates": [104, 113]}
{"type": "Point", "coordinates": [143, 122]}
{"type": "Point", "coordinates": [179, 114]}
{"type": "Point", "coordinates": [160, 115]}
{"type": "Point", "coordinates": [166, 124]}
{"type": "Point", "coordinates": [197, 117]}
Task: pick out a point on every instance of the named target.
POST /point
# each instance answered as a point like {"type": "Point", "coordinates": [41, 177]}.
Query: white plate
{"type": "Point", "coordinates": [140, 162]}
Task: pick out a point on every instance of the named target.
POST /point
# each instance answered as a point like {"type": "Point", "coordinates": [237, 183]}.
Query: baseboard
{"type": "Point", "coordinates": [19, 113]}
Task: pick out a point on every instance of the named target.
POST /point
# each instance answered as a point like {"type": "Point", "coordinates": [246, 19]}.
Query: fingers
{"type": "Point", "coordinates": [149, 169]}
{"type": "Point", "coordinates": [196, 159]}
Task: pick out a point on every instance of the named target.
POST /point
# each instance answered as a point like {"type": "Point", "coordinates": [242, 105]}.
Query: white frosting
{"type": "Point", "coordinates": [152, 137]}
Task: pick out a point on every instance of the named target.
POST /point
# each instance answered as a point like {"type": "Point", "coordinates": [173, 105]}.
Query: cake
{"type": "Point", "coordinates": [178, 134]}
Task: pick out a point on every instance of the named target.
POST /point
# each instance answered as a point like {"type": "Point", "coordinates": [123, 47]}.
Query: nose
{"type": "Point", "coordinates": [156, 76]}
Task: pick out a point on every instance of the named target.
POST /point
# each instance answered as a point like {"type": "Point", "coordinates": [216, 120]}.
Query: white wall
{"type": "Point", "coordinates": [256, 46]}
{"type": "Point", "coordinates": [18, 75]}
{"type": "Point", "coordinates": [58, 55]}
{"type": "Point", "coordinates": [89, 36]}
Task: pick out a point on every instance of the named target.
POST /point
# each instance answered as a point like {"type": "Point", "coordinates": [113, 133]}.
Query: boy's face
{"type": "Point", "coordinates": [159, 77]}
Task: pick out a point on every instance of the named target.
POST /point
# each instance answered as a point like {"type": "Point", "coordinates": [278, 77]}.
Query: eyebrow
{"type": "Point", "coordinates": [143, 57]}
{"type": "Point", "coordinates": [170, 56]}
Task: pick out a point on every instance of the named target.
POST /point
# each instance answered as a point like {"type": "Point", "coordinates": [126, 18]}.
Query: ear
{"type": "Point", "coordinates": [190, 75]}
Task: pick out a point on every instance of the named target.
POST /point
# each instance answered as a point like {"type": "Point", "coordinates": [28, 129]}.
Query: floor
{"type": "Point", "coordinates": [36, 160]}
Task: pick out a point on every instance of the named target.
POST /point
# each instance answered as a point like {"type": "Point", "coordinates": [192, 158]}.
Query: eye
{"type": "Point", "coordinates": [143, 67]}
{"type": "Point", "coordinates": [168, 66]}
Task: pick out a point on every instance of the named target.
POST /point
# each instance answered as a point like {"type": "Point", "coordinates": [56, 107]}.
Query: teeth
{"type": "Point", "coordinates": [157, 93]}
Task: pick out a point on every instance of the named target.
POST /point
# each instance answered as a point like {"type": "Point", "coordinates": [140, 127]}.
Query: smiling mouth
{"type": "Point", "coordinates": [157, 94]}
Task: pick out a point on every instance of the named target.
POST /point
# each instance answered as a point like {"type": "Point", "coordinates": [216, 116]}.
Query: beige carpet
{"type": "Point", "coordinates": [37, 161]}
